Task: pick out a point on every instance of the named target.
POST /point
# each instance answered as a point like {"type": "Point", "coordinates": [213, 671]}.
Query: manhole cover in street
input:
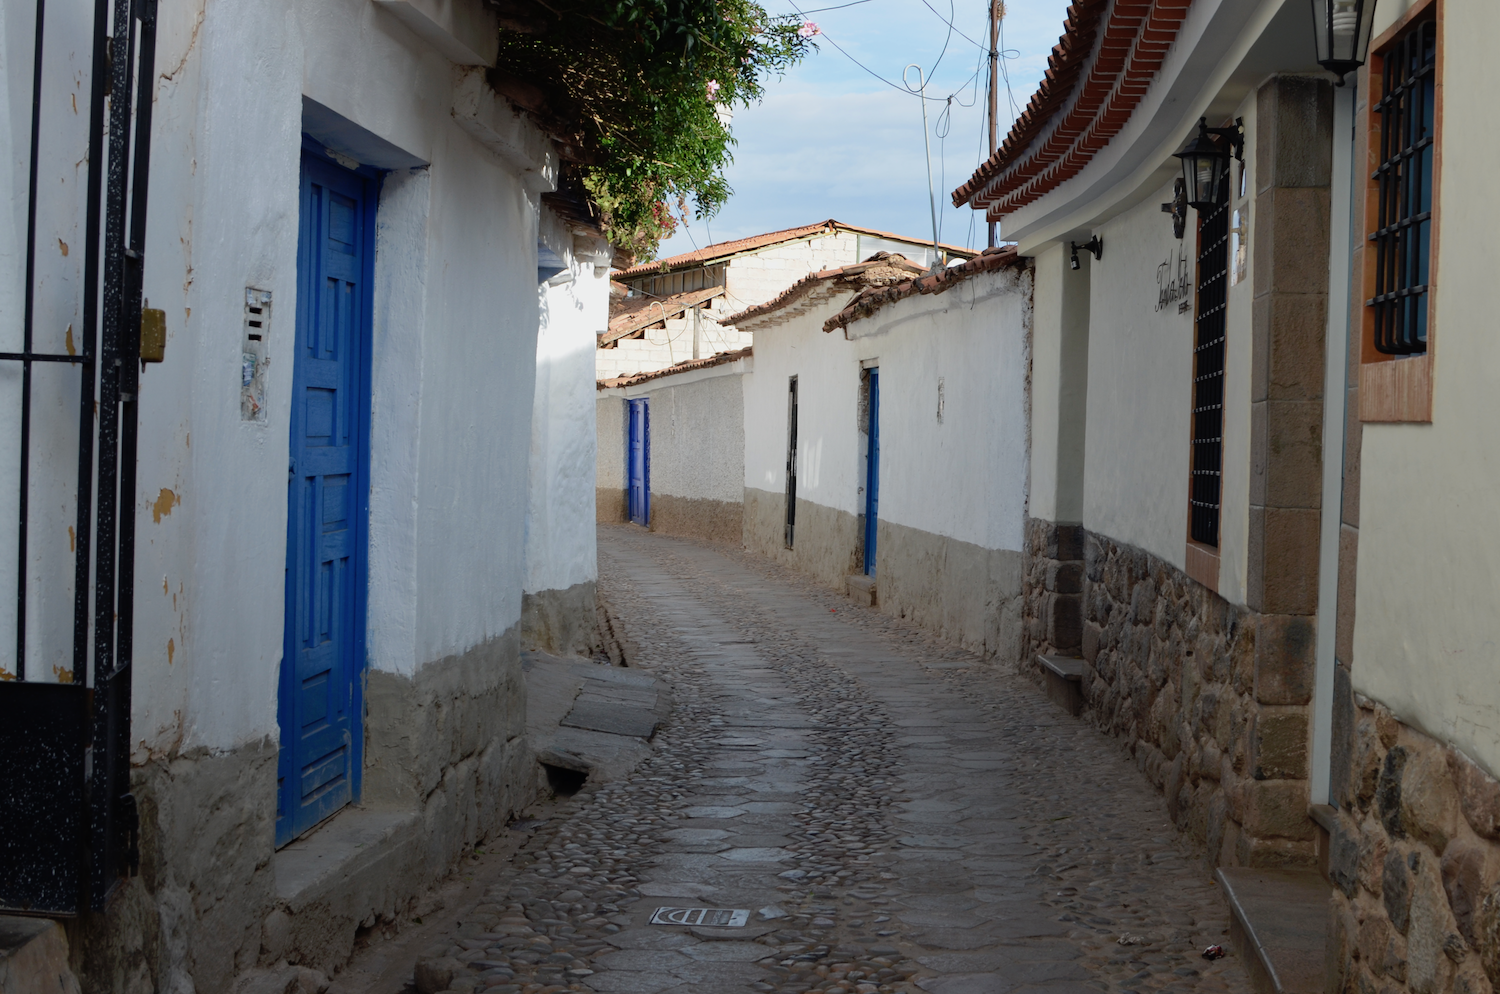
{"type": "Point", "coordinates": [722, 917]}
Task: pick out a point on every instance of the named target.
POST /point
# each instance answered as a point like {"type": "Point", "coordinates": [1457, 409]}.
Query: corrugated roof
{"type": "Point", "coordinates": [682, 367]}
{"type": "Point", "coordinates": [630, 314]}
{"type": "Point", "coordinates": [724, 250]}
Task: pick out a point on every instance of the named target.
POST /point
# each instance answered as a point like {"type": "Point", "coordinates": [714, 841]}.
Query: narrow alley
{"type": "Point", "coordinates": [895, 814]}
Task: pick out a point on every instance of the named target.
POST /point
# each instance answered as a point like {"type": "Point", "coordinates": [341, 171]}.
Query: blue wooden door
{"type": "Point", "coordinates": [320, 704]}
{"type": "Point", "coordinates": [872, 474]}
{"type": "Point", "coordinates": [639, 470]}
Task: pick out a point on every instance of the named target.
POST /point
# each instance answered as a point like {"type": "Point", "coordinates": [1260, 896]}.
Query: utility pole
{"type": "Point", "coordinates": [997, 11]}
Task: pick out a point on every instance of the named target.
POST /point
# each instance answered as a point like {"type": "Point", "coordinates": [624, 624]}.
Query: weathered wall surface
{"type": "Point", "coordinates": [561, 561]}
{"type": "Point", "coordinates": [453, 372]}
{"type": "Point", "coordinates": [697, 451]}
{"type": "Point", "coordinates": [953, 452]}
{"type": "Point", "coordinates": [612, 416]}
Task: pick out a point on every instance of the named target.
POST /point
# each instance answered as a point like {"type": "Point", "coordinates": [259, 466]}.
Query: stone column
{"type": "Point", "coordinates": [1292, 174]}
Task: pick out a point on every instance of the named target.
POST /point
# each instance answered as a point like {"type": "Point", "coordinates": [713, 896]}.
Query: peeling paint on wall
{"type": "Point", "coordinates": [163, 504]}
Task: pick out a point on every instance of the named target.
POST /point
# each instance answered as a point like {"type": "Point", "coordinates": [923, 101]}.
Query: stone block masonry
{"type": "Point", "coordinates": [1210, 699]}
{"type": "Point", "coordinates": [1414, 856]}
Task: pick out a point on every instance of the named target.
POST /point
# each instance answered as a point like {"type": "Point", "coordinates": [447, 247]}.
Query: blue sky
{"type": "Point", "coordinates": [831, 140]}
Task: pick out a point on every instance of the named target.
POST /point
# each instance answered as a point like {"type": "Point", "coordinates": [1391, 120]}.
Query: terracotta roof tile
{"type": "Point", "coordinates": [682, 367]}
{"type": "Point", "coordinates": [724, 250]}
{"type": "Point", "coordinates": [881, 269]}
{"type": "Point", "coordinates": [630, 314]}
{"type": "Point", "coordinates": [873, 299]}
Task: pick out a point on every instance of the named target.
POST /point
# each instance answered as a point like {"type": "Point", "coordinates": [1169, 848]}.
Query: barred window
{"type": "Point", "coordinates": [1208, 372]}
{"type": "Point", "coordinates": [1406, 111]}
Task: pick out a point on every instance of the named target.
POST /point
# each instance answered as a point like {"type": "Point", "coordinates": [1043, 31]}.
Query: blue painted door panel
{"type": "Point", "coordinates": [320, 703]}
{"type": "Point", "coordinates": [639, 462]}
{"type": "Point", "coordinates": [872, 475]}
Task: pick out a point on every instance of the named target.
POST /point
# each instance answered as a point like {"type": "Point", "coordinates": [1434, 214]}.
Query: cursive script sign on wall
{"type": "Point", "coordinates": [1174, 282]}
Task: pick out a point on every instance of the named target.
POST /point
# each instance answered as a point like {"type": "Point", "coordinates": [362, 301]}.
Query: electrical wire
{"type": "Point", "coordinates": [819, 10]}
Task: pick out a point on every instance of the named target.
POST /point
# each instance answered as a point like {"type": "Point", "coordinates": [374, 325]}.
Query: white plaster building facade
{"type": "Point", "coordinates": [948, 358]}
{"type": "Point", "coordinates": [377, 114]}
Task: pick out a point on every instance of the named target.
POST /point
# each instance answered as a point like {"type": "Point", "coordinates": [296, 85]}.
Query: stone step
{"type": "Point", "coordinates": [1279, 925]}
{"type": "Point", "coordinates": [34, 958]}
{"type": "Point", "coordinates": [1064, 676]}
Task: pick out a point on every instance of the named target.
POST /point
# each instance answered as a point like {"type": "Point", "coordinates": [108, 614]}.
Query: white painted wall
{"type": "Point", "coordinates": [1140, 382]}
{"type": "Point", "coordinates": [560, 549]}
{"type": "Point", "coordinates": [453, 363]}
{"type": "Point", "coordinates": [697, 432]}
{"type": "Point", "coordinates": [964, 478]}
{"type": "Point", "coordinates": [1426, 638]}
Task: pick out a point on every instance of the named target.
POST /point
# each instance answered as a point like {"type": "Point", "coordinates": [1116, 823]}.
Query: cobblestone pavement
{"type": "Point", "coordinates": [897, 815]}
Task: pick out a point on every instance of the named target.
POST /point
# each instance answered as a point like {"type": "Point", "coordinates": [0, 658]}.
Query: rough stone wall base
{"type": "Point", "coordinates": [828, 543]}
{"type": "Point", "coordinates": [611, 505]}
{"type": "Point", "coordinates": [34, 958]}
{"type": "Point", "coordinates": [1414, 857]}
{"type": "Point", "coordinates": [191, 921]}
{"type": "Point", "coordinates": [562, 622]}
{"type": "Point", "coordinates": [963, 592]}
{"type": "Point", "coordinates": [714, 520]}
{"type": "Point", "coordinates": [1053, 591]}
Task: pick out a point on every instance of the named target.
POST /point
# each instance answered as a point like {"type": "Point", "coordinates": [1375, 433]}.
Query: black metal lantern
{"type": "Point", "coordinates": [1204, 163]}
{"type": "Point", "coordinates": [1341, 29]}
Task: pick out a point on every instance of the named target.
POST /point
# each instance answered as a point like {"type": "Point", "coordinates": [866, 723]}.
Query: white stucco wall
{"type": "Point", "coordinates": [964, 478]}
{"type": "Point", "coordinates": [697, 432]}
{"type": "Point", "coordinates": [1140, 395]}
{"type": "Point", "coordinates": [1426, 639]}
{"type": "Point", "coordinates": [453, 360]}
{"type": "Point", "coordinates": [560, 548]}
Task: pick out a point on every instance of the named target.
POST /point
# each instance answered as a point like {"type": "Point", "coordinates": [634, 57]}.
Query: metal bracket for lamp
{"type": "Point", "coordinates": [1177, 207]}
{"type": "Point", "coordinates": [1094, 245]}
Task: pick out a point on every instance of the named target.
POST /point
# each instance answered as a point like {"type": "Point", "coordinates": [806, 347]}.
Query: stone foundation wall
{"type": "Point", "coordinates": [698, 517]}
{"type": "Point", "coordinates": [828, 543]}
{"type": "Point", "coordinates": [964, 592]}
{"type": "Point", "coordinates": [1414, 857]}
{"type": "Point", "coordinates": [446, 762]}
{"type": "Point", "coordinates": [611, 505]}
{"type": "Point", "coordinates": [191, 921]}
{"type": "Point", "coordinates": [1052, 591]}
{"type": "Point", "coordinates": [562, 622]}
{"type": "Point", "coordinates": [1211, 699]}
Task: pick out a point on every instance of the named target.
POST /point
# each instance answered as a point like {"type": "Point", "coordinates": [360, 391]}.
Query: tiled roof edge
{"type": "Point", "coordinates": [687, 365]}
{"type": "Point", "coordinates": [874, 298]}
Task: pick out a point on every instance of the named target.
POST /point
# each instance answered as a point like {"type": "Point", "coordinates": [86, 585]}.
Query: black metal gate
{"type": "Point", "coordinates": [68, 825]}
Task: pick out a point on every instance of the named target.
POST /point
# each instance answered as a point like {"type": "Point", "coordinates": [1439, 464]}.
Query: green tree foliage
{"type": "Point", "coordinates": [629, 88]}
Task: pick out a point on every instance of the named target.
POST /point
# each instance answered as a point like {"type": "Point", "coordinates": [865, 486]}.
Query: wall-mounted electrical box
{"type": "Point", "coordinates": [255, 354]}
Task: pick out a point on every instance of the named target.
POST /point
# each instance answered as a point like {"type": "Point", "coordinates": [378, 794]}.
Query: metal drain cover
{"type": "Point", "coordinates": [721, 917]}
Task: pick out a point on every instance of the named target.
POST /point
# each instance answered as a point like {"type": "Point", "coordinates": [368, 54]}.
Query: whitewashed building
{"type": "Point", "coordinates": [886, 439]}
{"type": "Point", "coordinates": [1261, 461]}
{"type": "Point", "coordinates": [322, 703]}
{"type": "Point", "coordinates": [676, 308]}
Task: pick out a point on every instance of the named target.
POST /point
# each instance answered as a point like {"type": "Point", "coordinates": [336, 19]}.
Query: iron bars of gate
{"type": "Point", "coordinates": [70, 828]}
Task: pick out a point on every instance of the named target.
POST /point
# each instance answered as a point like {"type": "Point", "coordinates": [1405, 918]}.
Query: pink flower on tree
{"type": "Point", "coordinates": [712, 86]}
{"type": "Point", "coordinates": [809, 29]}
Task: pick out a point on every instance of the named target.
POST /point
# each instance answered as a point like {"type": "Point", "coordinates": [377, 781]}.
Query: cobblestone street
{"type": "Point", "coordinates": [896, 814]}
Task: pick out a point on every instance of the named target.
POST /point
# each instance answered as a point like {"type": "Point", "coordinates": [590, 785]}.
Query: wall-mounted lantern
{"type": "Point", "coordinates": [1205, 162]}
{"type": "Point", "coordinates": [1341, 30]}
{"type": "Point", "coordinates": [1094, 245]}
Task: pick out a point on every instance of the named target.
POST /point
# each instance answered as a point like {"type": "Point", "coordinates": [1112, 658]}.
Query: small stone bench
{"type": "Point", "coordinates": [1064, 675]}
{"type": "Point", "coordinates": [1278, 926]}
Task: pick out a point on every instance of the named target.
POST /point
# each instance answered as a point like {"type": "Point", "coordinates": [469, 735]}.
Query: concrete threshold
{"type": "Point", "coordinates": [34, 958]}
{"type": "Point", "coordinates": [590, 718]}
{"type": "Point", "coordinates": [1279, 924]}
{"type": "Point", "coordinates": [353, 843]}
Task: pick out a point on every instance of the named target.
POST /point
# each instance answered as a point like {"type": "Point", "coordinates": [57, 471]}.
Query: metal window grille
{"type": "Point", "coordinates": [1403, 233]}
{"type": "Point", "coordinates": [1208, 372]}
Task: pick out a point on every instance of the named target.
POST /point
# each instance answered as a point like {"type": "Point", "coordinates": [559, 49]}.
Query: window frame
{"type": "Point", "coordinates": [1396, 388]}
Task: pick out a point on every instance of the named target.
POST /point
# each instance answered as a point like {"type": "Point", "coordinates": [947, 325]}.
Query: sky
{"type": "Point", "coordinates": [830, 140]}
